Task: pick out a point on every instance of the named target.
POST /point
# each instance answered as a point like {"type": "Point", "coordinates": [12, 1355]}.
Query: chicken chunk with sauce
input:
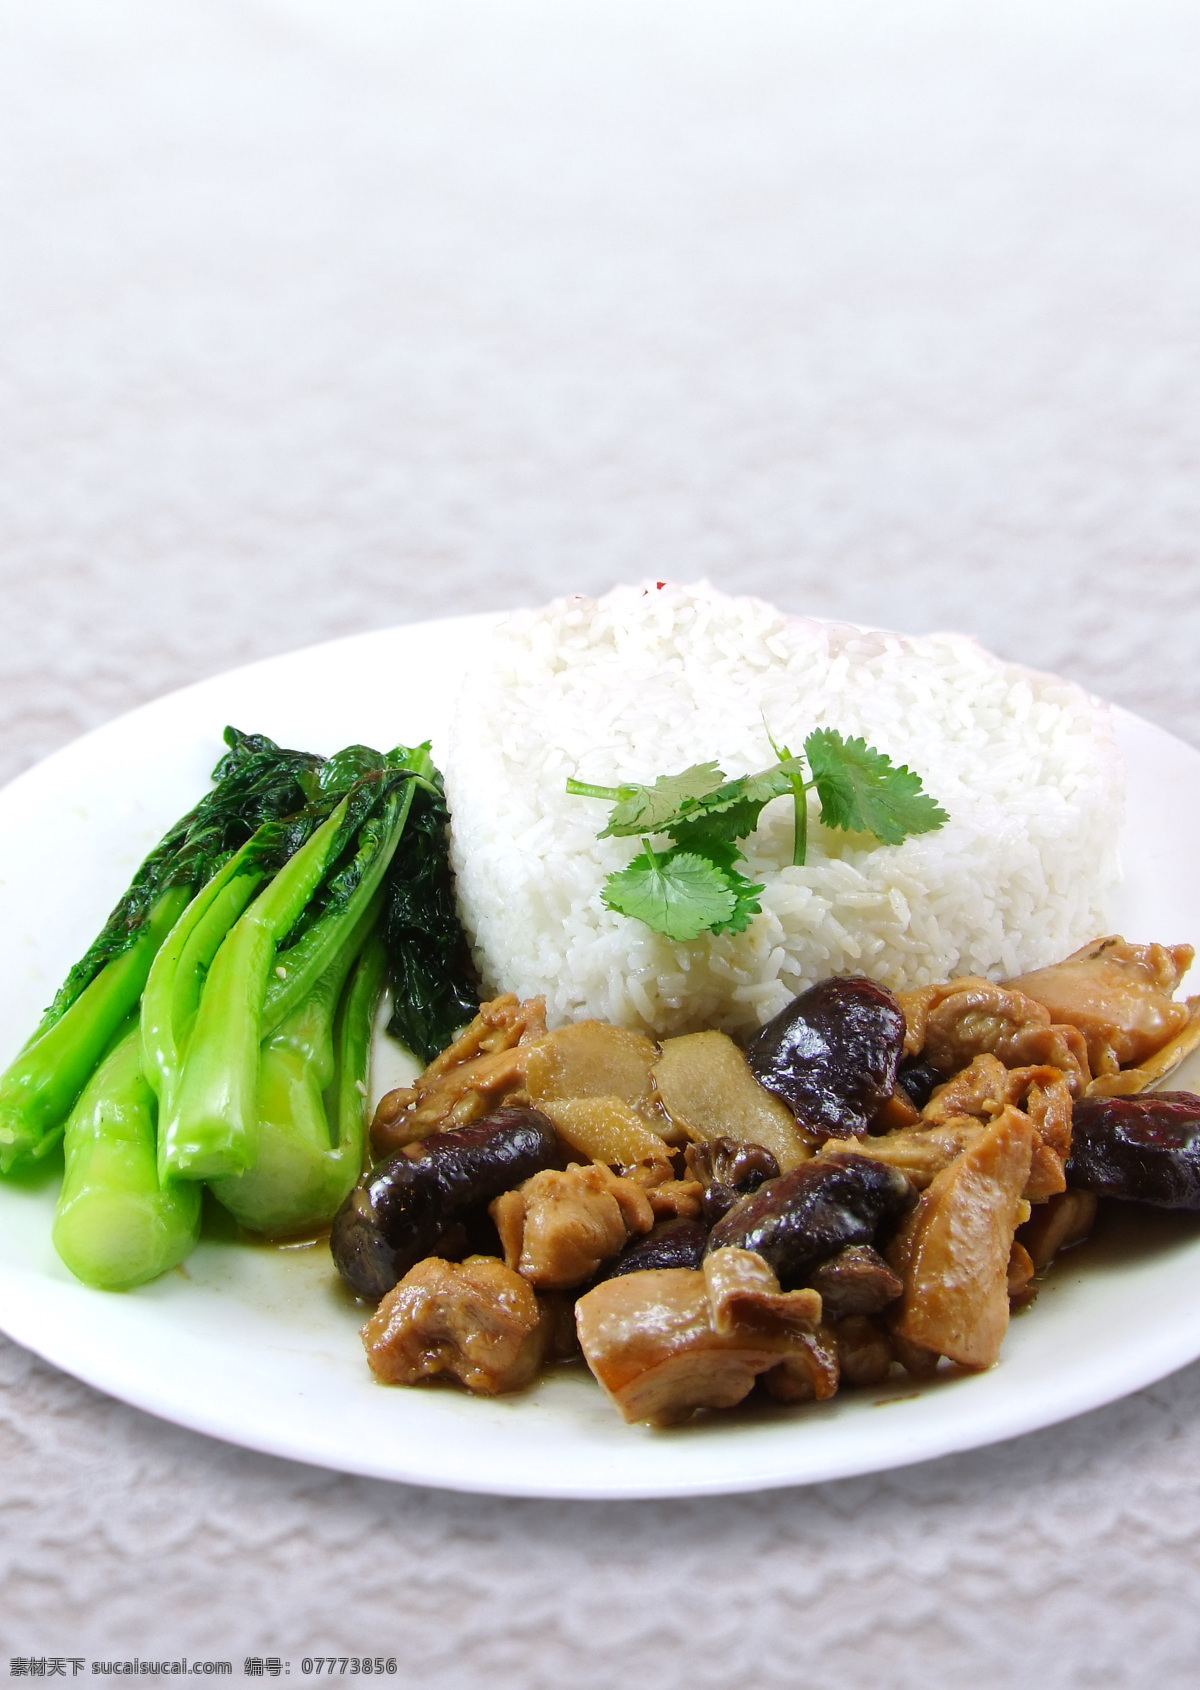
{"type": "Point", "coordinates": [953, 1023]}
{"type": "Point", "coordinates": [474, 1321]}
{"type": "Point", "coordinates": [666, 1342]}
{"type": "Point", "coordinates": [1120, 996]}
{"type": "Point", "coordinates": [558, 1227]}
{"type": "Point", "coordinates": [485, 1064]}
{"type": "Point", "coordinates": [953, 1251]}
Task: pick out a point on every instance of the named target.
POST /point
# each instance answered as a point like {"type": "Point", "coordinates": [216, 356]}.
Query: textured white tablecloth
{"type": "Point", "coordinates": [315, 317]}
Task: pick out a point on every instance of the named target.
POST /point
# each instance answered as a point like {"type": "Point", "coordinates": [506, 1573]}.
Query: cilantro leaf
{"type": "Point", "coordinates": [695, 885]}
{"type": "Point", "coordinates": [651, 809]}
{"type": "Point", "coordinates": [862, 790]}
{"type": "Point", "coordinates": [747, 904]}
{"type": "Point", "coordinates": [676, 892]}
{"type": "Point", "coordinates": [714, 834]}
{"type": "Point", "coordinates": [752, 789]}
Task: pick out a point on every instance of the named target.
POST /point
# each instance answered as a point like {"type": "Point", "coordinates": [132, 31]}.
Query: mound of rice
{"type": "Point", "coordinates": [648, 680]}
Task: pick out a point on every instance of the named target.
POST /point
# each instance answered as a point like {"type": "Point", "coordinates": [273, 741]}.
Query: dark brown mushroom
{"type": "Point", "coordinates": [1145, 1149]}
{"type": "Point", "coordinates": [401, 1210]}
{"type": "Point", "coordinates": [855, 1281]}
{"type": "Point", "coordinates": [814, 1212]}
{"type": "Point", "coordinates": [728, 1170]}
{"type": "Point", "coordinates": [831, 1055]}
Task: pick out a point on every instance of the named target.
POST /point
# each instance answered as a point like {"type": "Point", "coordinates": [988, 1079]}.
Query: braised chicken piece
{"type": "Point", "coordinates": [558, 1228]}
{"type": "Point", "coordinates": [864, 1350]}
{"type": "Point", "coordinates": [1119, 996]}
{"type": "Point", "coordinates": [953, 1023]}
{"type": "Point", "coordinates": [987, 1087]}
{"type": "Point", "coordinates": [808, 1374]}
{"type": "Point", "coordinates": [919, 1153]}
{"type": "Point", "coordinates": [1021, 1289]}
{"type": "Point", "coordinates": [484, 1065]}
{"type": "Point", "coordinates": [667, 1342]}
{"type": "Point", "coordinates": [475, 1321]}
{"type": "Point", "coordinates": [1059, 1224]}
{"type": "Point", "coordinates": [680, 1199]}
{"type": "Point", "coordinates": [1147, 1075]}
{"type": "Point", "coordinates": [953, 1252]}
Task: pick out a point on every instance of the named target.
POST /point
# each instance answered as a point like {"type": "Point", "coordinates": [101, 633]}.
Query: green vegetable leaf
{"type": "Point", "coordinates": [715, 835]}
{"type": "Point", "coordinates": [652, 809]}
{"type": "Point", "coordinates": [862, 790]}
{"type": "Point", "coordinates": [429, 960]}
{"type": "Point", "coordinates": [696, 885]}
{"type": "Point", "coordinates": [676, 892]}
{"type": "Point", "coordinates": [747, 904]}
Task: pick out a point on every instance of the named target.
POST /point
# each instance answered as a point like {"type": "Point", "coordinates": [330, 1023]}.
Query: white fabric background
{"type": "Point", "coordinates": [315, 317]}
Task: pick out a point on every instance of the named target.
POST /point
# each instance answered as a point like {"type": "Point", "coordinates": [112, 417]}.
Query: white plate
{"type": "Point", "coordinates": [258, 1345]}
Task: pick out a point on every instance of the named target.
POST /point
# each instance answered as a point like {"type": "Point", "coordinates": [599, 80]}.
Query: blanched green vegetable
{"type": "Point", "coordinates": [42, 1083]}
{"type": "Point", "coordinates": [220, 1026]}
{"type": "Point", "coordinates": [210, 1125]}
{"type": "Point", "coordinates": [272, 958]}
{"type": "Point", "coordinates": [430, 972]}
{"type": "Point", "coordinates": [115, 1225]}
{"type": "Point", "coordinates": [255, 782]}
{"type": "Point", "coordinates": [172, 991]}
{"type": "Point", "coordinates": [310, 1132]}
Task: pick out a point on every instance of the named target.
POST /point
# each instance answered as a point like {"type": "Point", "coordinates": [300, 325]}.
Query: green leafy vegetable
{"type": "Point", "coordinates": [256, 781]}
{"type": "Point", "coordinates": [863, 791]}
{"type": "Point", "coordinates": [429, 966]}
{"type": "Point", "coordinates": [677, 893]}
{"type": "Point", "coordinates": [695, 886]}
{"type": "Point", "coordinates": [115, 1223]}
{"type": "Point", "coordinates": [262, 971]}
{"type": "Point", "coordinates": [220, 1026]}
{"type": "Point", "coordinates": [257, 784]}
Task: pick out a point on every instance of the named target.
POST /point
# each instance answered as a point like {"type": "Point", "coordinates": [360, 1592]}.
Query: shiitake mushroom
{"type": "Point", "coordinates": [402, 1209]}
{"type": "Point", "coordinates": [815, 1212]}
{"type": "Point", "coordinates": [674, 1243]}
{"type": "Point", "coordinates": [1144, 1148]}
{"type": "Point", "coordinates": [728, 1169]}
{"type": "Point", "coordinates": [831, 1055]}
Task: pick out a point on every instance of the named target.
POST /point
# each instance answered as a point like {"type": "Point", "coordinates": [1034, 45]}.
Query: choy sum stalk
{"type": "Point", "coordinates": [41, 1084]}
{"type": "Point", "coordinates": [172, 991]}
{"type": "Point", "coordinates": [312, 1086]}
{"type": "Point", "coordinates": [273, 957]}
{"type": "Point", "coordinates": [255, 781]}
{"type": "Point", "coordinates": [115, 1224]}
{"type": "Point", "coordinates": [209, 1127]}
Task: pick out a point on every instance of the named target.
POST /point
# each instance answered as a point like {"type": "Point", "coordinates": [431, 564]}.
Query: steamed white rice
{"type": "Point", "coordinates": [647, 680]}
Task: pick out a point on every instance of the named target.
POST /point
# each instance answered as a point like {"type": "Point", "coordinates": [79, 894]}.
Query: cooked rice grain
{"type": "Point", "coordinates": [645, 681]}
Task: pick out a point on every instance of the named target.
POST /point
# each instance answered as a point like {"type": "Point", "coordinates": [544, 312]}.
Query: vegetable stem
{"type": "Point", "coordinates": [304, 1163]}
{"type": "Point", "coordinates": [312, 955]}
{"type": "Point", "coordinates": [172, 991]}
{"type": "Point", "coordinates": [40, 1088]}
{"type": "Point", "coordinates": [583, 789]}
{"type": "Point", "coordinates": [115, 1224]}
{"type": "Point", "coordinates": [211, 1124]}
